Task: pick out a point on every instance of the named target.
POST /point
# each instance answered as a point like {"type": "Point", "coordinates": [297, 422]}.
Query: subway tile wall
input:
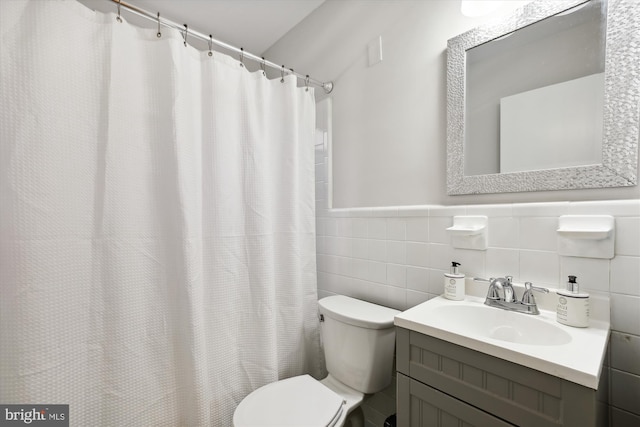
{"type": "Point", "coordinates": [397, 257]}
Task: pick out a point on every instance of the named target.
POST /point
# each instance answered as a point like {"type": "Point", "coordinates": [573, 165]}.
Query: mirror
{"type": "Point", "coordinates": [545, 100]}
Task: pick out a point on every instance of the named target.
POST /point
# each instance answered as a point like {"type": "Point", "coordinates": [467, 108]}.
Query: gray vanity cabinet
{"type": "Point", "coordinates": [443, 384]}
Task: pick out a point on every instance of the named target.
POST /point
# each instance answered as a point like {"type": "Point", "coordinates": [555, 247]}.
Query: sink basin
{"type": "Point", "coordinates": [501, 325]}
{"type": "Point", "coordinates": [535, 341]}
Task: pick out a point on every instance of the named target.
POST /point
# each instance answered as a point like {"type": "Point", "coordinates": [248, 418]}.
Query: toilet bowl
{"type": "Point", "coordinates": [359, 340]}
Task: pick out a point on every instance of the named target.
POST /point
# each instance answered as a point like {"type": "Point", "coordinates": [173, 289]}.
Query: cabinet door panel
{"type": "Point", "coordinates": [428, 407]}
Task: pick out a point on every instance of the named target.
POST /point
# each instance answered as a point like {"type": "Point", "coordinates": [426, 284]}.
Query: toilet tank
{"type": "Point", "coordinates": [359, 342]}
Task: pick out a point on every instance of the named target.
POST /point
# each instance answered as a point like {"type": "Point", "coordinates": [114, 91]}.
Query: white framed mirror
{"type": "Point", "coordinates": [546, 99]}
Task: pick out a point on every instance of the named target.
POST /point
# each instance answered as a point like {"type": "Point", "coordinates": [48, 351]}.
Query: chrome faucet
{"type": "Point", "coordinates": [502, 295]}
{"type": "Point", "coordinates": [505, 285]}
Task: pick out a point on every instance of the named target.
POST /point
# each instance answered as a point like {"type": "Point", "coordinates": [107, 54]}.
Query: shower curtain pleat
{"type": "Point", "coordinates": [157, 224]}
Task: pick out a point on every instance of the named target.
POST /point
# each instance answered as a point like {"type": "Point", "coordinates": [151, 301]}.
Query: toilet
{"type": "Point", "coordinates": [359, 341]}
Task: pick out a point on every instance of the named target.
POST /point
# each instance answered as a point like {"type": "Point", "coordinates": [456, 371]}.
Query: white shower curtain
{"type": "Point", "coordinates": [157, 249]}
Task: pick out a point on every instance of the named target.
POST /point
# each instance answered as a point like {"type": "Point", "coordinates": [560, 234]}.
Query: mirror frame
{"type": "Point", "coordinates": [621, 106]}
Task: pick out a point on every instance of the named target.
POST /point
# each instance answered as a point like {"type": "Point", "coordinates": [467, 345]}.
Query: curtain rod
{"type": "Point", "coordinates": [327, 86]}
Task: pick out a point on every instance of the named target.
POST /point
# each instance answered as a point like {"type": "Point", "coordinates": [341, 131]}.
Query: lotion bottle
{"type": "Point", "coordinates": [573, 306]}
{"type": "Point", "coordinates": [454, 283]}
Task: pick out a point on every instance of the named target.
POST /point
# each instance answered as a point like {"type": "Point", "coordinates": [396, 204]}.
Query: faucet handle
{"type": "Point", "coordinates": [529, 286]}
{"type": "Point", "coordinates": [527, 297]}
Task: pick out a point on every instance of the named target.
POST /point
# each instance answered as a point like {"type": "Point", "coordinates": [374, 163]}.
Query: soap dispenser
{"type": "Point", "coordinates": [454, 283]}
{"type": "Point", "coordinates": [573, 306]}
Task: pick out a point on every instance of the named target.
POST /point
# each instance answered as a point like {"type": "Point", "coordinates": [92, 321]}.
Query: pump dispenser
{"type": "Point", "coordinates": [454, 288]}
{"type": "Point", "coordinates": [573, 306]}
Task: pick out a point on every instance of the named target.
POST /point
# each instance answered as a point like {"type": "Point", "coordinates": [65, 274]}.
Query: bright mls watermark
{"type": "Point", "coordinates": [34, 414]}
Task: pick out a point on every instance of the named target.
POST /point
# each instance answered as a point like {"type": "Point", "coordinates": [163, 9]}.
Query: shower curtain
{"type": "Point", "coordinates": [157, 248]}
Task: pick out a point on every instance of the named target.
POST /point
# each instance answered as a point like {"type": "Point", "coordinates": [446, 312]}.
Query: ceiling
{"type": "Point", "coordinates": [254, 25]}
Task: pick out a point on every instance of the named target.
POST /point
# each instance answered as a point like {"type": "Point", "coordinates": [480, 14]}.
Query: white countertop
{"type": "Point", "coordinates": [579, 361]}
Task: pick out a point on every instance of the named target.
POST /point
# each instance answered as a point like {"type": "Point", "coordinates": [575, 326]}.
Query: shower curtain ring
{"type": "Point", "coordinates": [210, 45]}
{"type": "Point", "coordinates": [242, 57]}
{"type": "Point", "coordinates": [262, 66]}
{"type": "Point", "coordinates": [306, 83]}
{"type": "Point", "coordinates": [282, 75]}
{"type": "Point", "coordinates": [158, 34]}
{"type": "Point", "coordinates": [118, 18]}
{"type": "Point", "coordinates": [186, 31]}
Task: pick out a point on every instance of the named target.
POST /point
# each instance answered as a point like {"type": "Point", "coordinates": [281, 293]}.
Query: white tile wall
{"type": "Point", "coordinates": [625, 275]}
{"type": "Point", "coordinates": [627, 242]}
{"type": "Point", "coordinates": [625, 313]}
{"type": "Point", "coordinates": [538, 233]}
{"type": "Point", "coordinates": [417, 229]}
{"type": "Point", "coordinates": [625, 393]}
{"type": "Point", "coordinates": [403, 251]}
{"type": "Point", "coordinates": [397, 257]}
{"type": "Point", "coordinates": [625, 352]}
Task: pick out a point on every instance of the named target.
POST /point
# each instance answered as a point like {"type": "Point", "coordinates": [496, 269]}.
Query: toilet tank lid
{"type": "Point", "coordinates": [357, 312]}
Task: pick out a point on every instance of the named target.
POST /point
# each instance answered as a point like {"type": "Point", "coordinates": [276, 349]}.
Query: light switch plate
{"type": "Point", "coordinates": [375, 51]}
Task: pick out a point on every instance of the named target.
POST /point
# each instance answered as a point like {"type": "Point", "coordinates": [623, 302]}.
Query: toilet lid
{"type": "Point", "coordinates": [298, 401]}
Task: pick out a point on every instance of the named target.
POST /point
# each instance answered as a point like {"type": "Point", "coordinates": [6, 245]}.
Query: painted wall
{"type": "Point", "coordinates": [389, 124]}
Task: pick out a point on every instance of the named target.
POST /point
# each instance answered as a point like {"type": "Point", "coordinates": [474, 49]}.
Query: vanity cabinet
{"type": "Point", "coordinates": [444, 384]}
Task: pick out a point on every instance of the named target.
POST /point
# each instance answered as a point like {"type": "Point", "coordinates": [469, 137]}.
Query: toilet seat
{"type": "Point", "coordinates": [296, 402]}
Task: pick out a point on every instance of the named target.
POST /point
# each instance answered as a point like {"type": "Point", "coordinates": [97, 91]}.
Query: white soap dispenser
{"type": "Point", "coordinates": [573, 306]}
{"type": "Point", "coordinates": [454, 283]}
